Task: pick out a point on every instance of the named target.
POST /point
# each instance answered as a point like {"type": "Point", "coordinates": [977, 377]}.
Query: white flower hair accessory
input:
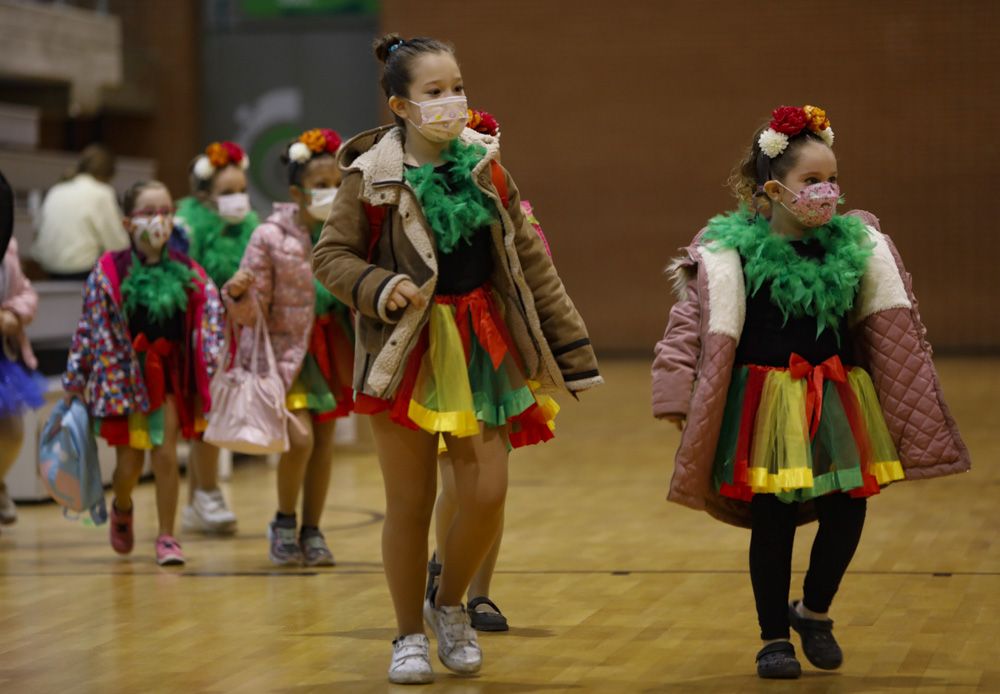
{"type": "Point", "coordinates": [203, 168]}
{"type": "Point", "coordinates": [827, 135]}
{"type": "Point", "coordinates": [772, 143]}
{"type": "Point", "coordinates": [299, 152]}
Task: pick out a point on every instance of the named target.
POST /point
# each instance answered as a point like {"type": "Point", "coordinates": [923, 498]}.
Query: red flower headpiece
{"type": "Point", "coordinates": [219, 155]}
{"type": "Point", "coordinates": [483, 122]}
{"type": "Point", "coordinates": [313, 142]}
{"type": "Point", "coordinates": [789, 121]}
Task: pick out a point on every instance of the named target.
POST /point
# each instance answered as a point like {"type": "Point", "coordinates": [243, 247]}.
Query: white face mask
{"type": "Point", "coordinates": [233, 208]}
{"type": "Point", "coordinates": [152, 232]}
{"type": "Point", "coordinates": [321, 202]}
{"type": "Point", "coordinates": [442, 119]}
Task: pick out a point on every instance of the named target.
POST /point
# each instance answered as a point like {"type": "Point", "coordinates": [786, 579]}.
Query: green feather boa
{"type": "Point", "coordinates": [215, 245]}
{"type": "Point", "coordinates": [325, 301]}
{"type": "Point", "coordinates": [160, 288]}
{"type": "Point", "coordinates": [800, 286]}
{"type": "Point", "coordinates": [455, 208]}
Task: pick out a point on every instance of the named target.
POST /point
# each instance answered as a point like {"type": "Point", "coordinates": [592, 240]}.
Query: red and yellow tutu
{"type": "Point", "coordinates": [323, 386]}
{"type": "Point", "coordinates": [803, 431]}
{"type": "Point", "coordinates": [466, 372]}
{"type": "Point", "coordinates": [163, 373]}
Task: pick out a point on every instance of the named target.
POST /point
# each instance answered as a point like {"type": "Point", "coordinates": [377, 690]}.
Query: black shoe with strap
{"type": "Point", "coordinates": [776, 661]}
{"type": "Point", "coordinates": [486, 621]}
{"type": "Point", "coordinates": [821, 649]}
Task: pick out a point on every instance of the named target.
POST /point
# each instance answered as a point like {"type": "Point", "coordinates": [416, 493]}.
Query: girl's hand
{"type": "Point", "coordinates": [677, 420]}
{"type": "Point", "coordinates": [404, 294]}
{"type": "Point", "coordinates": [239, 284]}
{"type": "Point", "coordinates": [10, 324]}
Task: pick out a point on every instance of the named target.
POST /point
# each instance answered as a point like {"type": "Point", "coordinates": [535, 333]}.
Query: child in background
{"type": "Point", "coordinates": [217, 221]}
{"type": "Point", "coordinates": [312, 337]}
{"type": "Point", "coordinates": [142, 358]}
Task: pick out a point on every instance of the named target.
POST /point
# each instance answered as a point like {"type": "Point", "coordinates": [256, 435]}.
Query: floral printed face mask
{"type": "Point", "coordinates": [442, 120]}
{"type": "Point", "coordinates": [814, 205]}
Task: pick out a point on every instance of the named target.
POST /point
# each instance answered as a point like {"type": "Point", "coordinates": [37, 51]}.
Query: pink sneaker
{"type": "Point", "coordinates": [168, 551]}
{"type": "Point", "coordinates": [122, 538]}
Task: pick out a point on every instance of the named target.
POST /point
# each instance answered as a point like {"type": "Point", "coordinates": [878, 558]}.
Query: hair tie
{"type": "Point", "coordinates": [394, 47]}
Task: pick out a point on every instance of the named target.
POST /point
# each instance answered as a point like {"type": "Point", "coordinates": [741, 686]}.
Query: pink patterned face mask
{"type": "Point", "coordinates": [814, 205]}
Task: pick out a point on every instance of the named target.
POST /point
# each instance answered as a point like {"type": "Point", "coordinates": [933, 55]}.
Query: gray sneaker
{"type": "Point", "coordinates": [8, 514]}
{"type": "Point", "coordinates": [284, 549]}
{"type": "Point", "coordinates": [315, 549]}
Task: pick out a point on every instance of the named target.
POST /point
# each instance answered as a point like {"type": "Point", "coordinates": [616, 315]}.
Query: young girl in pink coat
{"type": "Point", "coordinates": [312, 338]}
{"type": "Point", "coordinates": [796, 363]}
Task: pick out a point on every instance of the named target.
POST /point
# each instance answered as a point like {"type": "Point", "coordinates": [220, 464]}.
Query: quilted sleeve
{"type": "Point", "coordinates": [676, 355]}
{"type": "Point", "coordinates": [894, 346]}
{"type": "Point", "coordinates": [258, 260]}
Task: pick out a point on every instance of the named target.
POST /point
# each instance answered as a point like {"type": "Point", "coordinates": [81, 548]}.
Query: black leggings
{"type": "Point", "coordinates": [841, 519]}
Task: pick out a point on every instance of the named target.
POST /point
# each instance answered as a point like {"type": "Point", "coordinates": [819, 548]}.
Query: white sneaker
{"type": "Point", "coordinates": [208, 513]}
{"type": "Point", "coordinates": [8, 514]}
{"type": "Point", "coordinates": [458, 647]}
{"type": "Point", "coordinates": [411, 660]}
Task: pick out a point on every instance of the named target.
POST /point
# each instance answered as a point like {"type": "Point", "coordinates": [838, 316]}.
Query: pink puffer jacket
{"type": "Point", "coordinates": [21, 299]}
{"type": "Point", "coordinates": [279, 256]}
{"type": "Point", "coordinates": [694, 362]}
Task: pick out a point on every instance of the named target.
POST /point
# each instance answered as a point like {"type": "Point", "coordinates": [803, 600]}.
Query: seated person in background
{"type": "Point", "coordinates": [80, 219]}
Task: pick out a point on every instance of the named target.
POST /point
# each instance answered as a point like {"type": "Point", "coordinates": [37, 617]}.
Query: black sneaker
{"type": "Point", "coordinates": [776, 661]}
{"type": "Point", "coordinates": [818, 644]}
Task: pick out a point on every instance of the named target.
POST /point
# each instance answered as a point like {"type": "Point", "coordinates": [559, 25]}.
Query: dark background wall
{"type": "Point", "coordinates": [622, 120]}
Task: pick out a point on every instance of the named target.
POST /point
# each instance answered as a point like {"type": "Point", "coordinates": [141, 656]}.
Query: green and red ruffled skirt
{"type": "Point", "coordinates": [466, 373]}
{"type": "Point", "coordinates": [161, 362]}
{"type": "Point", "coordinates": [323, 386]}
{"type": "Point", "coordinates": [803, 431]}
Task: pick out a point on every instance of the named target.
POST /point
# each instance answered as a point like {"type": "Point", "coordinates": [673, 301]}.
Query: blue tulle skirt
{"type": "Point", "coordinates": [20, 388]}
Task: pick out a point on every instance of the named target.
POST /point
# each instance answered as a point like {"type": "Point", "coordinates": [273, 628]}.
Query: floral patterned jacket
{"type": "Point", "coordinates": [103, 366]}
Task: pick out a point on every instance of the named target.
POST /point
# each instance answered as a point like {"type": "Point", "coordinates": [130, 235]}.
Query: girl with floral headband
{"type": "Point", "coordinates": [142, 359]}
{"type": "Point", "coordinates": [462, 318]}
{"type": "Point", "coordinates": [312, 336]}
{"type": "Point", "coordinates": [796, 365]}
{"type": "Point", "coordinates": [216, 221]}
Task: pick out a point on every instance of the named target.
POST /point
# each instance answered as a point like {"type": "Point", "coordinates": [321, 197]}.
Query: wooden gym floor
{"type": "Point", "coordinates": [608, 588]}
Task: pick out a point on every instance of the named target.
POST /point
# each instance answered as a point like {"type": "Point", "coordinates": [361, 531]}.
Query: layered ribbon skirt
{"type": "Point", "coordinates": [466, 373]}
{"type": "Point", "coordinates": [803, 431]}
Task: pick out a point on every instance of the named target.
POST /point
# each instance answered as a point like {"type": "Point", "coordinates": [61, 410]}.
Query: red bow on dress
{"type": "Point", "coordinates": [832, 369]}
{"type": "Point", "coordinates": [154, 372]}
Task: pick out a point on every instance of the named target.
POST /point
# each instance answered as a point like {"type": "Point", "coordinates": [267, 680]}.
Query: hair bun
{"type": "Point", "coordinates": [385, 45]}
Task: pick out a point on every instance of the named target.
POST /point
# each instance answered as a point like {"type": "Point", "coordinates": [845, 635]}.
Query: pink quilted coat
{"type": "Point", "coordinates": [279, 256]}
{"type": "Point", "coordinates": [21, 299]}
{"type": "Point", "coordinates": [694, 362]}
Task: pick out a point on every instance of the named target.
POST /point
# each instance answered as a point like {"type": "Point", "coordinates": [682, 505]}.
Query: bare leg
{"type": "Point", "coordinates": [203, 468]}
{"type": "Point", "coordinates": [11, 438]}
{"type": "Point", "coordinates": [408, 469]}
{"type": "Point", "coordinates": [480, 464]}
{"type": "Point", "coordinates": [317, 478]}
{"type": "Point", "coordinates": [480, 586]}
{"type": "Point", "coordinates": [292, 465]}
{"type": "Point", "coordinates": [128, 469]}
{"type": "Point", "coordinates": [166, 471]}
{"type": "Point", "coordinates": [446, 506]}
{"type": "Point", "coordinates": [444, 516]}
